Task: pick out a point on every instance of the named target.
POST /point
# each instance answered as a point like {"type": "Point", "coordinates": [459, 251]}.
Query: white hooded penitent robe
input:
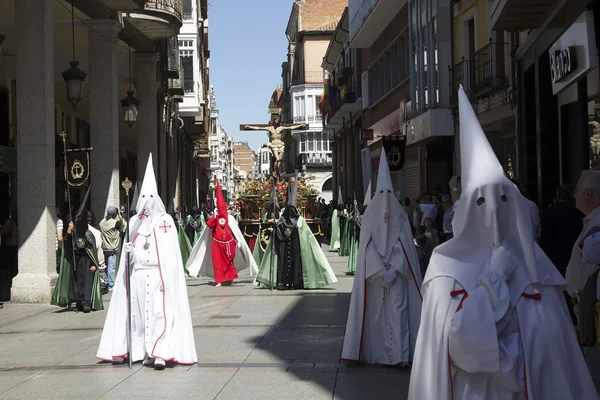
{"type": "Point", "coordinates": [200, 261]}
{"type": "Point", "coordinates": [385, 307]}
{"type": "Point", "coordinates": [494, 324]}
{"type": "Point", "coordinates": [161, 324]}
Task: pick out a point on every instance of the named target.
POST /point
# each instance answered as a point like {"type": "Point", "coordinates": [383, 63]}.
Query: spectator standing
{"type": "Point", "coordinates": [59, 239]}
{"type": "Point", "coordinates": [110, 228]}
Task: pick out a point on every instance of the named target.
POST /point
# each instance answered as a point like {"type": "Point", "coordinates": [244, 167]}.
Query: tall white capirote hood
{"type": "Point", "coordinates": [491, 211]}
{"type": "Point", "coordinates": [384, 218]}
{"type": "Point", "coordinates": [150, 208]}
{"type": "Point", "coordinates": [367, 195]}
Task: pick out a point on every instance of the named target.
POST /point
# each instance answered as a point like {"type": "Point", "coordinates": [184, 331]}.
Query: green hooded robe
{"type": "Point", "coordinates": [60, 296]}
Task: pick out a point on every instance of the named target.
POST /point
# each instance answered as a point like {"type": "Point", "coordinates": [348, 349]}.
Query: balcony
{"type": "Point", "coordinates": [519, 15]}
{"type": "Point", "coordinates": [125, 4]}
{"type": "Point", "coordinates": [368, 22]}
{"type": "Point", "coordinates": [189, 86]}
{"type": "Point", "coordinates": [308, 77]}
{"type": "Point", "coordinates": [315, 159]}
{"type": "Point", "coordinates": [490, 69]}
{"type": "Point", "coordinates": [461, 74]}
{"type": "Point", "coordinates": [313, 118]}
{"type": "Point", "coordinates": [174, 72]}
{"type": "Point", "coordinates": [342, 97]}
{"type": "Point", "coordinates": [159, 19]}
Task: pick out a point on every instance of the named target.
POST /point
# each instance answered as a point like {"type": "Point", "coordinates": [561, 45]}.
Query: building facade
{"type": "Point", "coordinates": [122, 46]}
{"type": "Point", "coordinates": [483, 66]}
{"type": "Point", "coordinates": [221, 154]}
{"type": "Point", "coordinates": [309, 31]}
{"type": "Point", "coordinates": [341, 106]}
{"type": "Point", "coordinates": [557, 90]}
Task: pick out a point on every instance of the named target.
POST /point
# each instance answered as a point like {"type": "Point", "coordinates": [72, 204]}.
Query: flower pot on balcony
{"type": "Point", "coordinates": [347, 72]}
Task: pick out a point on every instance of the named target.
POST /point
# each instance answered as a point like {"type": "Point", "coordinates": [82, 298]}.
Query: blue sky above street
{"type": "Point", "coordinates": [248, 45]}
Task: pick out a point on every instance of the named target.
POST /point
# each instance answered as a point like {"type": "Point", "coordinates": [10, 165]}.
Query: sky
{"type": "Point", "coordinates": [247, 46]}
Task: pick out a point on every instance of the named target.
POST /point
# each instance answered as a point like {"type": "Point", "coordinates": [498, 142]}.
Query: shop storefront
{"type": "Point", "coordinates": [559, 103]}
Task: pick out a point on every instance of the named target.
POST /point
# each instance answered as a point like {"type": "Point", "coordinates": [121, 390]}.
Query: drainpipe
{"type": "Point", "coordinates": [516, 79]}
{"type": "Point", "coordinates": [457, 160]}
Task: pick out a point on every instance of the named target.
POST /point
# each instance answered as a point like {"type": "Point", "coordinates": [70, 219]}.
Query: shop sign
{"type": "Point", "coordinates": [366, 134]}
{"type": "Point", "coordinates": [562, 63]}
{"type": "Point", "coordinates": [574, 54]}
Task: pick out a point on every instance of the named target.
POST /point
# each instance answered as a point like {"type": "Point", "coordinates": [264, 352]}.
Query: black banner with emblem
{"type": "Point", "coordinates": [77, 170]}
{"type": "Point", "coordinates": [395, 149]}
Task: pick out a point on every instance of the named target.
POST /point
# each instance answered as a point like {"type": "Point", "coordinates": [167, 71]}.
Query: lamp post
{"type": "Point", "coordinates": [130, 103]}
{"type": "Point", "coordinates": [130, 106]}
{"type": "Point", "coordinates": [74, 77]}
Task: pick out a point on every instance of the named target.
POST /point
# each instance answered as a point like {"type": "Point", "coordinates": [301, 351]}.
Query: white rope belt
{"type": "Point", "coordinates": [227, 247]}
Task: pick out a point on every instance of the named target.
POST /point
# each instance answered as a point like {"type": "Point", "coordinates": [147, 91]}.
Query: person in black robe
{"type": "Point", "coordinates": [194, 226]}
{"type": "Point", "coordinates": [77, 243]}
{"type": "Point", "coordinates": [287, 245]}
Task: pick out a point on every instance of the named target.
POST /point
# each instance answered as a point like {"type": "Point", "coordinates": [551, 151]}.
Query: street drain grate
{"type": "Point", "coordinates": [226, 317]}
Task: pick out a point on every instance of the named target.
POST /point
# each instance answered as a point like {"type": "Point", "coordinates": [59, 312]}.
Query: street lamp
{"type": "Point", "coordinates": [74, 77]}
{"type": "Point", "coordinates": [1, 41]}
{"type": "Point", "coordinates": [130, 103]}
{"type": "Point", "coordinates": [130, 106]}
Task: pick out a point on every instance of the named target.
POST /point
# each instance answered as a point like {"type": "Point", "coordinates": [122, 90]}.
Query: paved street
{"type": "Point", "coordinates": [252, 344]}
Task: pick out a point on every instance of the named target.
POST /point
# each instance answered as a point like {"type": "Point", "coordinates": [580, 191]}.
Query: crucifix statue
{"type": "Point", "coordinates": [275, 131]}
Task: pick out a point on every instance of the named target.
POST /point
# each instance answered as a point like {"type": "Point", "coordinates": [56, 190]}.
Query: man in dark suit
{"type": "Point", "coordinates": [561, 225]}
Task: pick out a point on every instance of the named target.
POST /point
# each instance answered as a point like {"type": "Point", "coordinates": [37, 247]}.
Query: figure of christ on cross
{"type": "Point", "coordinates": [275, 131]}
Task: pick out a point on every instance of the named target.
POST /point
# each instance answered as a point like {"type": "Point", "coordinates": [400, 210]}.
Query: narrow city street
{"type": "Point", "coordinates": [251, 343]}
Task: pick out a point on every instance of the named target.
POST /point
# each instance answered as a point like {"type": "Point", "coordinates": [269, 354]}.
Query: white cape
{"type": "Point", "coordinates": [200, 261]}
{"type": "Point", "coordinates": [177, 341]}
{"type": "Point", "coordinates": [553, 365]}
{"type": "Point", "coordinates": [354, 336]}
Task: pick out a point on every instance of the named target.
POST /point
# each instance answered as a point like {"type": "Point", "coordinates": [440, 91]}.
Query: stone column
{"type": "Point", "coordinates": [35, 152]}
{"type": "Point", "coordinates": [147, 86]}
{"type": "Point", "coordinates": [105, 112]}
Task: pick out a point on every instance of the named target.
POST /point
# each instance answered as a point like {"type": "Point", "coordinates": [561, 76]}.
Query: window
{"type": "Point", "coordinates": [424, 54]}
{"type": "Point", "coordinates": [389, 70]}
{"type": "Point", "coordinates": [299, 111]}
{"type": "Point", "coordinates": [187, 67]}
{"type": "Point", "coordinates": [187, 9]}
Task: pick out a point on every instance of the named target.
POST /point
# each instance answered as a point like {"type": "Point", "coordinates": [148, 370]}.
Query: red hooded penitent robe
{"type": "Point", "coordinates": [223, 249]}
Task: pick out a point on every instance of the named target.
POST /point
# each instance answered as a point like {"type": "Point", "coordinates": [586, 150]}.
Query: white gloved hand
{"type": "Point", "coordinates": [502, 262]}
{"type": "Point", "coordinates": [388, 278]}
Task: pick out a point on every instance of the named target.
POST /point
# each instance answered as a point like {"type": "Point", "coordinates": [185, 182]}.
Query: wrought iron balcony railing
{"type": "Point", "coordinates": [490, 69]}
{"type": "Point", "coordinates": [188, 86]}
{"type": "Point", "coordinates": [461, 74]}
{"type": "Point", "coordinates": [174, 7]}
{"type": "Point", "coordinates": [308, 77]}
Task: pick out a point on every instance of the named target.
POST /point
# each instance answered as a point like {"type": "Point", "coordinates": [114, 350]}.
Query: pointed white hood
{"type": "Point", "coordinates": [340, 198]}
{"type": "Point", "coordinates": [150, 208]}
{"type": "Point", "coordinates": [491, 211]}
{"type": "Point", "coordinates": [384, 217]}
{"type": "Point", "coordinates": [367, 195]}
{"type": "Point", "coordinates": [136, 196]}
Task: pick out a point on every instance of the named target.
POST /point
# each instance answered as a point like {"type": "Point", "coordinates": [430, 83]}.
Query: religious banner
{"type": "Point", "coordinates": [77, 168]}
{"type": "Point", "coordinates": [395, 148]}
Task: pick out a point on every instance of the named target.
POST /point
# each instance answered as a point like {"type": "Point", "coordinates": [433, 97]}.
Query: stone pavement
{"type": "Point", "coordinates": [252, 344]}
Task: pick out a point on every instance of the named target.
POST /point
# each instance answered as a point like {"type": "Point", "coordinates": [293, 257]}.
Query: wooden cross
{"type": "Point", "coordinates": [165, 227]}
